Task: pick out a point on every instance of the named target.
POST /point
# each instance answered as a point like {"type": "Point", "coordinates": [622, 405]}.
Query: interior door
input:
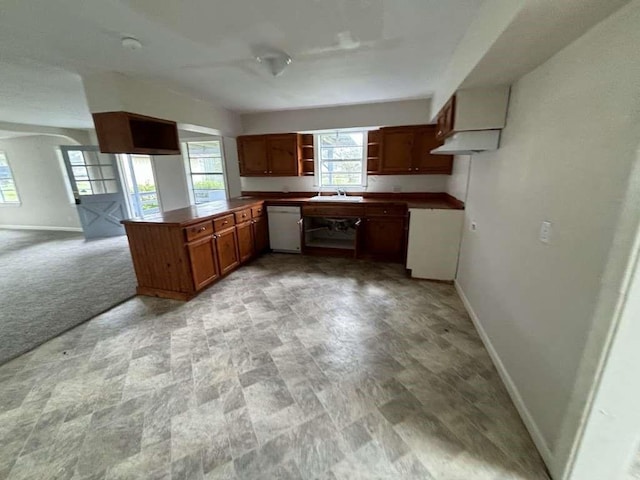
{"type": "Point", "coordinates": [97, 189]}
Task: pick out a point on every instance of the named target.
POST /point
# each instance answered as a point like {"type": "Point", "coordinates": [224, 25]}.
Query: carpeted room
{"type": "Point", "coordinates": [52, 281]}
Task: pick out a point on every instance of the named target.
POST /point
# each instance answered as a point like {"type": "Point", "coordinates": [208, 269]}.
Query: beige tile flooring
{"type": "Point", "coordinates": [292, 367]}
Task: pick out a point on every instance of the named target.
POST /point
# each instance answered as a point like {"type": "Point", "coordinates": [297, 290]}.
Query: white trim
{"type": "Point", "coordinates": [526, 416]}
{"type": "Point", "coordinates": [37, 227]}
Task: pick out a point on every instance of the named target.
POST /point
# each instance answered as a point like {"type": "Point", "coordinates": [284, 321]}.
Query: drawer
{"type": "Point", "coordinates": [199, 230]}
{"type": "Point", "coordinates": [386, 210]}
{"type": "Point", "coordinates": [243, 215]}
{"type": "Point", "coordinates": [257, 211]}
{"type": "Point", "coordinates": [223, 223]}
{"type": "Point", "coordinates": [333, 210]}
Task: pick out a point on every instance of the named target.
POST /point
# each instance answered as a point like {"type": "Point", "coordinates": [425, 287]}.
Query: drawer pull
{"type": "Point", "coordinates": [225, 222]}
{"type": "Point", "coordinates": [202, 229]}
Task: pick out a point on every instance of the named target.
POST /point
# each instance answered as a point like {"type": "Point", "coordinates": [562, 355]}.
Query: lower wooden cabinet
{"type": "Point", "coordinates": [245, 241]}
{"type": "Point", "coordinates": [260, 234]}
{"type": "Point", "coordinates": [203, 262]}
{"type": "Point", "coordinates": [382, 238]}
{"type": "Point", "coordinates": [227, 248]}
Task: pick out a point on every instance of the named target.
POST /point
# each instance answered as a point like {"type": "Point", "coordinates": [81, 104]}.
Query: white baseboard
{"type": "Point", "coordinates": [528, 420]}
{"type": "Point", "coordinates": [36, 227]}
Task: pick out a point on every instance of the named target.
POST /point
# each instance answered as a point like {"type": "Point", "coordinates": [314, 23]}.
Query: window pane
{"type": "Point", "coordinates": [347, 167]}
{"type": "Point", "coordinates": [80, 173]}
{"type": "Point", "coordinates": [206, 165]}
{"type": "Point", "coordinates": [107, 172]}
{"type": "Point", "coordinates": [206, 171]}
{"type": "Point", "coordinates": [76, 158]}
{"type": "Point", "coordinates": [206, 149]}
{"type": "Point", "coordinates": [111, 186]}
{"type": "Point", "coordinates": [8, 191]}
{"type": "Point", "coordinates": [84, 188]}
{"type": "Point", "coordinates": [341, 179]}
{"type": "Point", "coordinates": [350, 153]}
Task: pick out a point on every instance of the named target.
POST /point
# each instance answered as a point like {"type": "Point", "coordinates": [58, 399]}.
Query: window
{"type": "Point", "coordinates": [141, 185]}
{"type": "Point", "coordinates": [8, 191]}
{"type": "Point", "coordinates": [341, 157]}
{"type": "Point", "coordinates": [93, 175]}
{"type": "Point", "coordinates": [206, 170]}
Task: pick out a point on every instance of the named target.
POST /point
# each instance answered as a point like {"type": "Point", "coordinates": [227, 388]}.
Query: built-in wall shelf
{"type": "Point", "coordinates": [307, 154]}
{"type": "Point", "coordinates": [125, 132]}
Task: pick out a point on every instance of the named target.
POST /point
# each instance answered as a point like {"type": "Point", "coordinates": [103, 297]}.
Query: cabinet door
{"type": "Point", "coordinates": [252, 153]}
{"type": "Point", "coordinates": [283, 154]}
{"type": "Point", "coordinates": [397, 151]}
{"type": "Point", "coordinates": [227, 246]}
{"type": "Point", "coordinates": [423, 160]}
{"type": "Point", "coordinates": [446, 119]}
{"type": "Point", "coordinates": [260, 234]}
{"type": "Point", "coordinates": [245, 240]}
{"type": "Point", "coordinates": [202, 259]}
{"type": "Point", "coordinates": [383, 238]}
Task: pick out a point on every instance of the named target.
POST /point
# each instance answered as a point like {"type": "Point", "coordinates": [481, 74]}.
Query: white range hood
{"type": "Point", "coordinates": [468, 143]}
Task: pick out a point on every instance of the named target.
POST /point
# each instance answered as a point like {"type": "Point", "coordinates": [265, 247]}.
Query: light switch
{"type": "Point", "coordinates": [473, 226]}
{"type": "Point", "coordinates": [545, 232]}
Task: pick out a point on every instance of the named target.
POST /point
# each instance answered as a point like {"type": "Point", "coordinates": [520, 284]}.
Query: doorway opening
{"type": "Point", "coordinates": [140, 181]}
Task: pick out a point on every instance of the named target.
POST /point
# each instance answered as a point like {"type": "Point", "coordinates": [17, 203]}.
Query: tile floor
{"type": "Point", "coordinates": [292, 367]}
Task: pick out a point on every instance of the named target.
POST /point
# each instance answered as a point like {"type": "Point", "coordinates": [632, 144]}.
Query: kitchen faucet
{"type": "Point", "coordinates": [341, 192]}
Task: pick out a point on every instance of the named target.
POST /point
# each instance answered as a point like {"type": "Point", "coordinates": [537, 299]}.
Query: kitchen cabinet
{"type": "Point", "coordinates": [434, 243]}
{"type": "Point", "coordinates": [260, 234]}
{"type": "Point", "coordinates": [252, 154]}
{"type": "Point", "coordinates": [227, 248]}
{"type": "Point", "coordinates": [407, 150]}
{"type": "Point", "coordinates": [382, 238]}
{"type": "Point", "coordinates": [278, 155]}
{"type": "Point", "coordinates": [203, 263]}
{"type": "Point", "coordinates": [473, 109]}
{"type": "Point", "coordinates": [245, 241]}
{"type": "Point", "coordinates": [125, 132]}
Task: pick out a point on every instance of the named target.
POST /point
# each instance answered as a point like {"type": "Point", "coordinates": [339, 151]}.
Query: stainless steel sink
{"type": "Point", "coordinates": [336, 198]}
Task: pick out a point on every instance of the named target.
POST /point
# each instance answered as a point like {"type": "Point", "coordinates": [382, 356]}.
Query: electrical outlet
{"type": "Point", "coordinates": [473, 226]}
{"type": "Point", "coordinates": [545, 232]}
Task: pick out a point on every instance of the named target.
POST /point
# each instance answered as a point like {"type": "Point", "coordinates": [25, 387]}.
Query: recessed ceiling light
{"type": "Point", "coordinates": [131, 43]}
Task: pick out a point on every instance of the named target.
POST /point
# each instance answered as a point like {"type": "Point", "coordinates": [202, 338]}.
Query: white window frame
{"type": "Point", "coordinates": [125, 164]}
{"type": "Point", "coordinates": [187, 165]}
{"type": "Point", "coordinates": [15, 185]}
{"type": "Point", "coordinates": [318, 160]}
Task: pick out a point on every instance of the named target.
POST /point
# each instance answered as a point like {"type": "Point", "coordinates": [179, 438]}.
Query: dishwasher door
{"type": "Point", "coordinates": [284, 228]}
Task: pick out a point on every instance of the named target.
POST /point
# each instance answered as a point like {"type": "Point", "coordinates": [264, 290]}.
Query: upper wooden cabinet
{"type": "Point", "coordinates": [407, 150]}
{"type": "Point", "coordinates": [280, 155]}
{"type": "Point", "coordinates": [124, 132]}
{"type": "Point", "coordinates": [472, 110]}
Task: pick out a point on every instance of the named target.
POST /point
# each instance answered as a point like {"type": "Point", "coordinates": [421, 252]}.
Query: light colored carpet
{"type": "Point", "coordinates": [52, 281]}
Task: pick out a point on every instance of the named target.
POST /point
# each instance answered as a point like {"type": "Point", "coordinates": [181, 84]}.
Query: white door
{"type": "Point", "coordinates": [97, 189]}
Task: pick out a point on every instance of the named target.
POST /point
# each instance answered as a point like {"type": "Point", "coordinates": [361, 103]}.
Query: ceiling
{"type": "Point", "coordinates": [394, 49]}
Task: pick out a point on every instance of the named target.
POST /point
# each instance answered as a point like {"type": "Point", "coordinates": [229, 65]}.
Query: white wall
{"type": "Point", "coordinates": [565, 157]}
{"type": "Point", "coordinates": [171, 181]}
{"type": "Point", "coordinates": [232, 167]}
{"type": "Point", "coordinates": [376, 183]}
{"type": "Point", "coordinates": [458, 181]}
{"type": "Point", "coordinates": [41, 183]}
{"type": "Point", "coordinates": [114, 91]}
{"type": "Point", "coordinates": [408, 112]}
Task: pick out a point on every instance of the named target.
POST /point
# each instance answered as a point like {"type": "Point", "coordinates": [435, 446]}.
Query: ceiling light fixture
{"type": "Point", "coordinates": [131, 43]}
{"type": "Point", "coordinates": [276, 61]}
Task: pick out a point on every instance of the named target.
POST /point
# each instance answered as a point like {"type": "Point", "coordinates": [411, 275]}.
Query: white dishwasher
{"type": "Point", "coordinates": [284, 228]}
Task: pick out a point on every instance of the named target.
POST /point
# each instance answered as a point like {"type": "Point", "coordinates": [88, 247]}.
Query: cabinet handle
{"type": "Point", "coordinates": [409, 168]}
{"type": "Point", "coordinates": [266, 171]}
{"type": "Point", "coordinates": [225, 222]}
{"type": "Point", "coordinates": [384, 211]}
{"type": "Point", "coordinates": [202, 229]}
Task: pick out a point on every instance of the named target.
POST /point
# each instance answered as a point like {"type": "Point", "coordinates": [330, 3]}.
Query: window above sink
{"type": "Point", "coordinates": [341, 159]}
{"type": "Point", "coordinates": [336, 198]}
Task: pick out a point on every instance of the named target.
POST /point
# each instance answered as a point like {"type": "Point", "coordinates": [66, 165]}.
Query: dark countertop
{"type": "Point", "coordinates": [207, 211]}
